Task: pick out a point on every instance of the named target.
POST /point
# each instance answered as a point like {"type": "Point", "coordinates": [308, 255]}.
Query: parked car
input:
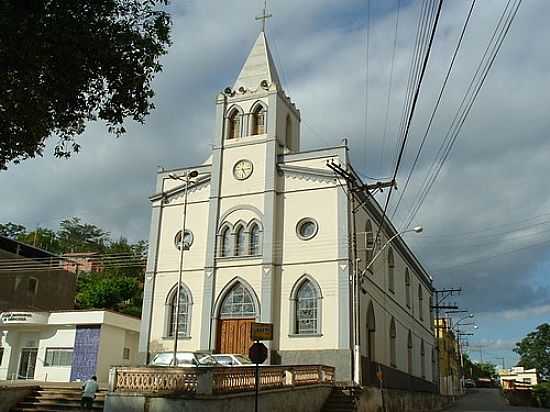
{"type": "Point", "coordinates": [469, 383]}
{"type": "Point", "coordinates": [485, 383]}
{"type": "Point", "coordinates": [185, 359]}
{"type": "Point", "coordinates": [231, 359]}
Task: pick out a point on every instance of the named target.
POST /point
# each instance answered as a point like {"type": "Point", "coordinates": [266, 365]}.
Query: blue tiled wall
{"type": "Point", "coordinates": [86, 346]}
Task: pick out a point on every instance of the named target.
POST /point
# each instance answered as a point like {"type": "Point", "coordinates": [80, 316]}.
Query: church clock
{"type": "Point", "coordinates": [242, 169]}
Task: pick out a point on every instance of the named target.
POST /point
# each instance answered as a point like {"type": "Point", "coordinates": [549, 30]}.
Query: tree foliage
{"type": "Point", "coordinates": [12, 230]}
{"type": "Point", "coordinates": [534, 350]}
{"type": "Point", "coordinates": [119, 286]}
{"type": "Point", "coordinates": [120, 293]}
{"type": "Point", "coordinates": [475, 370]}
{"type": "Point", "coordinates": [65, 63]}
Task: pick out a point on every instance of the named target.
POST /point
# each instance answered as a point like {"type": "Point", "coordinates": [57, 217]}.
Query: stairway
{"type": "Point", "coordinates": [51, 398]}
{"type": "Point", "coordinates": [342, 399]}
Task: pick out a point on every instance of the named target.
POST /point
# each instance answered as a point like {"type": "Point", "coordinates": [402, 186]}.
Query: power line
{"type": "Point", "coordinates": [436, 106]}
{"type": "Point", "coordinates": [413, 68]}
{"type": "Point", "coordinates": [500, 32]}
{"type": "Point", "coordinates": [390, 85]}
{"type": "Point", "coordinates": [367, 75]}
{"type": "Point", "coordinates": [411, 114]}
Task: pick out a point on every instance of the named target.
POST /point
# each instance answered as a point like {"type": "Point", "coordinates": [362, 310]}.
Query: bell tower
{"type": "Point", "coordinates": [256, 122]}
{"type": "Point", "coordinates": [257, 106]}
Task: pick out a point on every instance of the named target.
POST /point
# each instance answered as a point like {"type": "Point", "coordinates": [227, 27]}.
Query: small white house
{"type": "Point", "coordinates": [65, 346]}
{"type": "Point", "coordinates": [509, 378]}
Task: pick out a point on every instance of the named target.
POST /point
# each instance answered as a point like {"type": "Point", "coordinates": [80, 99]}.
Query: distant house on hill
{"type": "Point", "coordinates": [33, 279]}
{"type": "Point", "coordinates": [518, 378]}
{"type": "Point", "coordinates": [82, 262]}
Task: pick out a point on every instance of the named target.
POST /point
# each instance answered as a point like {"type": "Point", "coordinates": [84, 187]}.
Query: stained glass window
{"type": "Point", "coordinates": [183, 318]}
{"type": "Point", "coordinates": [240, 249]}
{"type": "Point", "coordinates": [238, 303]}
{"type": "Point", "coordinates": [225, 242]}
{"type": "Point", "coordinates": [307, 309]}
{"type": "Point", "coordinates": [255, 240]}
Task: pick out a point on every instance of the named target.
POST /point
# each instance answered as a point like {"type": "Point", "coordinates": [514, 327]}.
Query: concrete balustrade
{"type": "Point", "coordinates": [209, 381]}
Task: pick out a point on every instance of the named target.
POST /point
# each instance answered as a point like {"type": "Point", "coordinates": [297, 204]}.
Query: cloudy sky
{"type": "Point", "coordinates": [488, 215]}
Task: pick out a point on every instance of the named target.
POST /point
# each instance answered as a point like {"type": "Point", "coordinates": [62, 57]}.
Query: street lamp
{"type": "Point", "coordinates": [459, 334]}
{"type": "Point", "coordinates": [417, 229]}
{"type": "Point", "coordinates": [185, 178]}
{"type": "Point", "coordinates": [356, 352]}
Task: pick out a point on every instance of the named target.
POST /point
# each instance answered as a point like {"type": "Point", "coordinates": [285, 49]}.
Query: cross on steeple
{"type": "Point", "coordinates": [264, 16]}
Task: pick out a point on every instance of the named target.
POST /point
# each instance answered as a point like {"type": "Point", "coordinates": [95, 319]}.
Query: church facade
{"type": "Point", "coordinates": [271, 235]}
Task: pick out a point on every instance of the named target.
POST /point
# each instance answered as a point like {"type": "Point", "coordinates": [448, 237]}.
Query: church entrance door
{"type": "Point", "coordinates": [237, 313]}
{"type": "Point", "coordinates": [234, 336]}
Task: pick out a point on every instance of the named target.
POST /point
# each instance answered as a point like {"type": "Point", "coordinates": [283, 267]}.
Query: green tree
{"type": "Point", "coordinates": [125, 259]}
{"type": "Point", "coordinates": [487, 370]}
{"type": "Point", "coordinates": [534, 350]}
{"type": "Point", "coordinates": [65, 63]}
{"type": "Point", "coordinates": [42, 238]}
{"type": "Point", "coordinates": [99, 291]}
{"type": "Point", "coordinates": [12, 230]}
{"type": "Point", "coordinates": [75, 236]}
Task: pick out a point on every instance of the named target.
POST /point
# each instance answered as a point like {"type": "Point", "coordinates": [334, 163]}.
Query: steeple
{"type": "Point", "coordinates": [258, 66]}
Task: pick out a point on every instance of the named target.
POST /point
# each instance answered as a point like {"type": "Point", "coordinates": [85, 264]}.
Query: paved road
{"type": "Point", "coordinates": [485, 400]}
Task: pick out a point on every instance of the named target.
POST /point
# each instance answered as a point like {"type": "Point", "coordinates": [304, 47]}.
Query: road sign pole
{"type": "Point", "coordinates": [257, 375]}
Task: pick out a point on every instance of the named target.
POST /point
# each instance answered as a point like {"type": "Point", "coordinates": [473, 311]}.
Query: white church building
{"type": "Point", "coordinates": [270, 237]}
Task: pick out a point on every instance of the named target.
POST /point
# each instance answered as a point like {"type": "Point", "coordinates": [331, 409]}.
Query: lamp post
{"type": "Point", "coordinates": [355, 315]}
{"type": "Point", "coordinates": [186, 178]}
{"type": "Point", "coordinates": [459, 334]}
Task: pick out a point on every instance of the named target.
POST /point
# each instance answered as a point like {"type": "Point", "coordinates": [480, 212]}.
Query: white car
{"type": "Point", "coordinates": [232, 359]}
{"type": "Point", "coordinates": [185, 359]}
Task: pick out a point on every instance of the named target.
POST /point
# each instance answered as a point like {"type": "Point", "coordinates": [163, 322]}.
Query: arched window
{"type": "Point", "coordinates": [422, 360]}
{"type": "Point", "coordinates": [225, 242]}
{"type": "Point", "coordinates": [420, 303]}
{"type": "Point", "coordinates": [307, 309]}
{"type": "Point", "coordinates": [371, 333]}
{"type": "Point", "coordinates": [234, 124]}
{"type": "Point", "coordinates": [183, 315]}
{"type": "Point", "coordinates": [258, 120]}
{"type": "Point", "coordinates": [391, 267]}
{"type": "Point", "coordinates": [369, 242]}
{"type": "Point", "coordinates": [238, 303]}
{"type": "Point", "coordinates": [255, 239]}
{"type": "Point", "coordinates": [410, 353]}
{"type": "Point", "coordinates": [408, 287]}
{"type": "Point", "coordinates": [240, 241]}
{"type": "Point", "coordinates": [393, 344]}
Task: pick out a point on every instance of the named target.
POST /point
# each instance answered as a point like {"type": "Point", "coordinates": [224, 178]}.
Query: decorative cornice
{"type": "Point", "coordinates": [308, 173]}
{"type": "Point", "coordinates": [193, 187]}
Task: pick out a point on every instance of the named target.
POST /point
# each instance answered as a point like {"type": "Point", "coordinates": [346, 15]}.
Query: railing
{"type": "Point", "coordinates": [150, 379]}
{"type": "Point", "coordinates": [216, 380]}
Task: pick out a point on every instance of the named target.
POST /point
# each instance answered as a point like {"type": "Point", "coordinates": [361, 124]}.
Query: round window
{"type": "Point", "coordinates": [306, 228]}
{"type": "Point", "coordinates": [187, 239]}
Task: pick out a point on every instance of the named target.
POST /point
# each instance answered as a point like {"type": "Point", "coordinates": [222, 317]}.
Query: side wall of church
{"type": "Point", "coordinates": [392, 303]}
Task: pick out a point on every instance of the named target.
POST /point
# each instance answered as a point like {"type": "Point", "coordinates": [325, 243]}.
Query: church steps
{"type": "Point", "coordinates": [340, 400]}
{"type": "Point", "coordinates": [49, 399]}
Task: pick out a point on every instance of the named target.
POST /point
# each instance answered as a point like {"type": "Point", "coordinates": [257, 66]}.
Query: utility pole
{"type": "Point", "coordinates": [503, 364]}
{"type": "Point", "coordinates": [440, 296]}
{"type": "Point", "coordinates": [358, 192]}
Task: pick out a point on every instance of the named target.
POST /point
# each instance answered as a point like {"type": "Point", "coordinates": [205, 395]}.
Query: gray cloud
{"type": "Point", "coordinates": [495, 176]}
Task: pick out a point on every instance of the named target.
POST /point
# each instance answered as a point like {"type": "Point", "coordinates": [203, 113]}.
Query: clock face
{"type": "Point", "coordinates": [242, 169]}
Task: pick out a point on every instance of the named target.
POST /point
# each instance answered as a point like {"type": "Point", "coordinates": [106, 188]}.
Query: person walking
{"type": "Point", "coordinates": [89, 389]}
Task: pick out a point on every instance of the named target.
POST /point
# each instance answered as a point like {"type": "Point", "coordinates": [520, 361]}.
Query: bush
{"type": "Point", "coordinates": [542, 393]}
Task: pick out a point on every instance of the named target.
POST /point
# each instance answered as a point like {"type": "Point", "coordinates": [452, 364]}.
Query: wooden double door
{"type": "Point", "coordinates": [233, 335]}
